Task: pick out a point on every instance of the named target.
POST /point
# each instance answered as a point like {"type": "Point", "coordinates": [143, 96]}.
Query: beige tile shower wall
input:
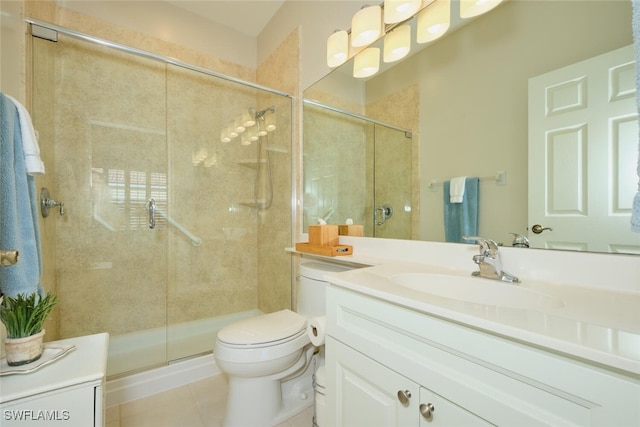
{"type": "Point", "coordinates": [280, 71]}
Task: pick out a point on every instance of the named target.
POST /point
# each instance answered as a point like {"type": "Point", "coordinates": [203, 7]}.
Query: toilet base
{"type": "Point", "coordinates": [251, 402]}
{"type": "Point", "coordinates": [268, 402]}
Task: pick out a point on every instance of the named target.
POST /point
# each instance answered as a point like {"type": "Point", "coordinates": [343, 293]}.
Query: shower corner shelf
{"type": "Point", "coordinates": [253, 203]}
{"type": "Point", "coordinates": [250, 163]}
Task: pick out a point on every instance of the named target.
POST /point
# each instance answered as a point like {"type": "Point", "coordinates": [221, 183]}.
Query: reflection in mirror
{"type": "Point", "coordinates": [350, 172]}
{"type": "Point", "coordinates": [465, 99]}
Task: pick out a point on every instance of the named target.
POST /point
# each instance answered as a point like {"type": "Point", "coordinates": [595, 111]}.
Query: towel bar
{"type": "Point", "coordinates": [500, 178]}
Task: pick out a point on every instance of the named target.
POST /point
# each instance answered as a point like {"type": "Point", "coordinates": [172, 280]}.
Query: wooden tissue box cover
{"type": "Point", "coordinates": [351, 230]}
{"type": "Point", "coordinates": [337, 250]}
{"type": "Point", "coordinates": [323, 235]}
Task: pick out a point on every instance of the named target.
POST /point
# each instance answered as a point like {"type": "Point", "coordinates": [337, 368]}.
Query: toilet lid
{"type": "Point", "coordinates": [263, 329]}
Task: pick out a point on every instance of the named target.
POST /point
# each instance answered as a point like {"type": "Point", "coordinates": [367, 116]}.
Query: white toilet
{"type": "Point", "coordinates": [260, 353]}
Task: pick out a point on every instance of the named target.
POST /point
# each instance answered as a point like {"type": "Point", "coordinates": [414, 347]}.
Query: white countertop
{"type": "Point", "coordinates": [596, 325]}
{"type": "Point", "coordinates": [88, 362]}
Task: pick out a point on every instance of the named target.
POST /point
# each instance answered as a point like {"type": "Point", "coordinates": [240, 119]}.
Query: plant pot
{"type": "Point", "coordinates": [20, 351]}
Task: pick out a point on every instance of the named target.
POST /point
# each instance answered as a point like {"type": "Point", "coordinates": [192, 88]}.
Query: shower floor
{"type": "Point", "coordinates": [199, 404]}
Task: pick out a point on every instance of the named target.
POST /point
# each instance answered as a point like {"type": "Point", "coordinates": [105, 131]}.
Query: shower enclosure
{"type": "Point", "coordinates": [172, 227]}
{"type": "Point", "coordinates": [357, 168]}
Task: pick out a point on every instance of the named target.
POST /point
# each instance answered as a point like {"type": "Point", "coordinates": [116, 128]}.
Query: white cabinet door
{"type": "Point", "coordinates": [367, 394]}
{"type": "Point", "coordinates": [438, 411]}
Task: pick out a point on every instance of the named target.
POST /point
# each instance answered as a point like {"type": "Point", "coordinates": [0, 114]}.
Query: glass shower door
{"type": "Point", "coordinates": [171, 231]}
{"type": "Point", "coordinates": [101, 118]}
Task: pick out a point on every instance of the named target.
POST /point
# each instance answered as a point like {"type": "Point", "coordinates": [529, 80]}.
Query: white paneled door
{"type": "Point", "coordinates": [583, 149]}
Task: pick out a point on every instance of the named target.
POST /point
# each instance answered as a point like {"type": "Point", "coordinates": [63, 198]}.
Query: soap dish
{"type": "Point", "coordinates": [50, 353]}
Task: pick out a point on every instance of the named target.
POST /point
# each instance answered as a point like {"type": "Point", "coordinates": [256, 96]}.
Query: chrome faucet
{"type": "Point", "coordinates": [489, 261]}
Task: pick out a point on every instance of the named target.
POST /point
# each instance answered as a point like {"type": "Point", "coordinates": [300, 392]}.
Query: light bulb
{"type": "Point", "coordinates": [471, 8]}
{"type": "Point", "coordinates": [366, 26]}
{"type": "Point", "coordinates": [270, 122]}
{"type": "Point", "coordinates": [366, 63]}
{"type": "Point", "coordinates": [248, 119]}
{"type": "Point", "coordinates": [397, 43]}
{"type": "Point", "coordinates": [337, 48]}
{"type": "Point", "coordinates": [239, 125]}
{"type": "Point", "coordinates": [224, 136]}
{"type": "Point", "coordinates": [434, 21]}
{"type": "Point", "coordinates": [400, 10]}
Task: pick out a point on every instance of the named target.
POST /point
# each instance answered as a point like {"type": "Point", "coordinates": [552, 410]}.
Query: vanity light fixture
{"type": "Point", "coordinates": [337, 48]}
{"type": "Point", "coordinates": [471, 8]}
{"type": "Point", "coordinates": [366, 26]}
{"type": "Point", "coordinates": [366, 63]}
{"type": "Point", "coordinates": [400, 10]}
{"type": "Point", "coordinates": [397, 43]}
{"type": "Point", "coordinates": [434, 21]}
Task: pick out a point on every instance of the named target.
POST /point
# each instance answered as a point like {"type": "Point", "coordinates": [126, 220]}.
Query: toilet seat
{"type": "Point", "coordinates": [263, 331]}
{"type": "Point", "coordinates": [264, 338]}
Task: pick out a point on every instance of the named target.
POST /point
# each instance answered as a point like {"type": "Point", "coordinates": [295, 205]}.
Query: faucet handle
{"type": "Point", "coordinates": [488, 247]}
{"type": "Point", "coordinates": [520, 240]}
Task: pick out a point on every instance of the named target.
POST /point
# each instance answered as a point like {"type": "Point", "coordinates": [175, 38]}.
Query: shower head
{"type": "Point", "coordinates": [260, 114]}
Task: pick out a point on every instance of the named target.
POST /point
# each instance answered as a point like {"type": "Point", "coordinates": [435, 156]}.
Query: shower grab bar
{"type": "Point", "coordinates": [195, 241]}
{"type": "Point", "coordinates": [153, 211]}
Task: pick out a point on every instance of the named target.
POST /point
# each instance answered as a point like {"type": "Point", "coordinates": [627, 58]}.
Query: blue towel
{"type": "Point", "coordinates": [635, 210]}
{"type": "Point", "coordinates": [19, 227]}
{"type": "Point", "coordinates": [461, 219]}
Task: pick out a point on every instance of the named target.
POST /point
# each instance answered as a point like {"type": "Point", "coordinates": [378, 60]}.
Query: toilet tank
{"type": "Point", "coordinates": [312, 287]}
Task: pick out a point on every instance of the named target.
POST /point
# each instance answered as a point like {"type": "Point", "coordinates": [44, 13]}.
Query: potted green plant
{"type": "Point", "coordinates": [23, 317]}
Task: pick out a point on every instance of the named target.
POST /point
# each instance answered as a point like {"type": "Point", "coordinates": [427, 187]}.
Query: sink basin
{"type": "Point", "coordinates": [477, 290]}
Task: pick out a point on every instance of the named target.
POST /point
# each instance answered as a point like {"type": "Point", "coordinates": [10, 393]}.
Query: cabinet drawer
{"type": "Point", "coordinates": [503, 381]}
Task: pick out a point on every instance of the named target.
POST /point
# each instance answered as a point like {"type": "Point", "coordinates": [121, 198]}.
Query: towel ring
{"type": "Point", "coordinates": [47, 203]}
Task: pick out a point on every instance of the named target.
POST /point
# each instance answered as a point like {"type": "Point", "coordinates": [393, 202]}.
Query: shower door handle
{"type": "Point", "coordinates": [152, 213]}
{"type": "Point", "coordinates": [382, 213]}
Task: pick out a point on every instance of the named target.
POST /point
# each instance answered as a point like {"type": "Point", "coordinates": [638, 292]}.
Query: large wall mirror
{"type": "Point", "coordinates": [466, 105]}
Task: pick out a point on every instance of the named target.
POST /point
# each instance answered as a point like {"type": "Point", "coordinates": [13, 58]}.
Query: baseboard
{"type": "Point", "coordinates": [137, 386]}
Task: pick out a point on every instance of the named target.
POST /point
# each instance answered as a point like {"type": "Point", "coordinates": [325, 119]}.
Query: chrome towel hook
{"type": "Point", "coordinates": [47, 203]}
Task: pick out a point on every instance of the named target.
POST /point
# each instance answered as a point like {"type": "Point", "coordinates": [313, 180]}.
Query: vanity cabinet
{"type": "Point", "coordinates": [370, 394]}
{"type": "Point", "coordinates": [386, 364]}
{"type": "Point", "coordinates": [67, 392]}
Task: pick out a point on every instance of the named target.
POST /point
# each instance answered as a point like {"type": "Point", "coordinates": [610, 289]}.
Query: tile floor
{"type": "Point", "coordinates": [199, 404]}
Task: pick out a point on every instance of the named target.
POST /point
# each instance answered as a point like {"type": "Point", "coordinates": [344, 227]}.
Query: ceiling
{"type": "Point", "coordinates": [245, 16]}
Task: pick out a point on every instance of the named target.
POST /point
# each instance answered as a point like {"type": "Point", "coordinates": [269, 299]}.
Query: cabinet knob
{"type": "Point", "coordinates": [427, 410]}
{"type": "Point", "coordinates": [404, 396]}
